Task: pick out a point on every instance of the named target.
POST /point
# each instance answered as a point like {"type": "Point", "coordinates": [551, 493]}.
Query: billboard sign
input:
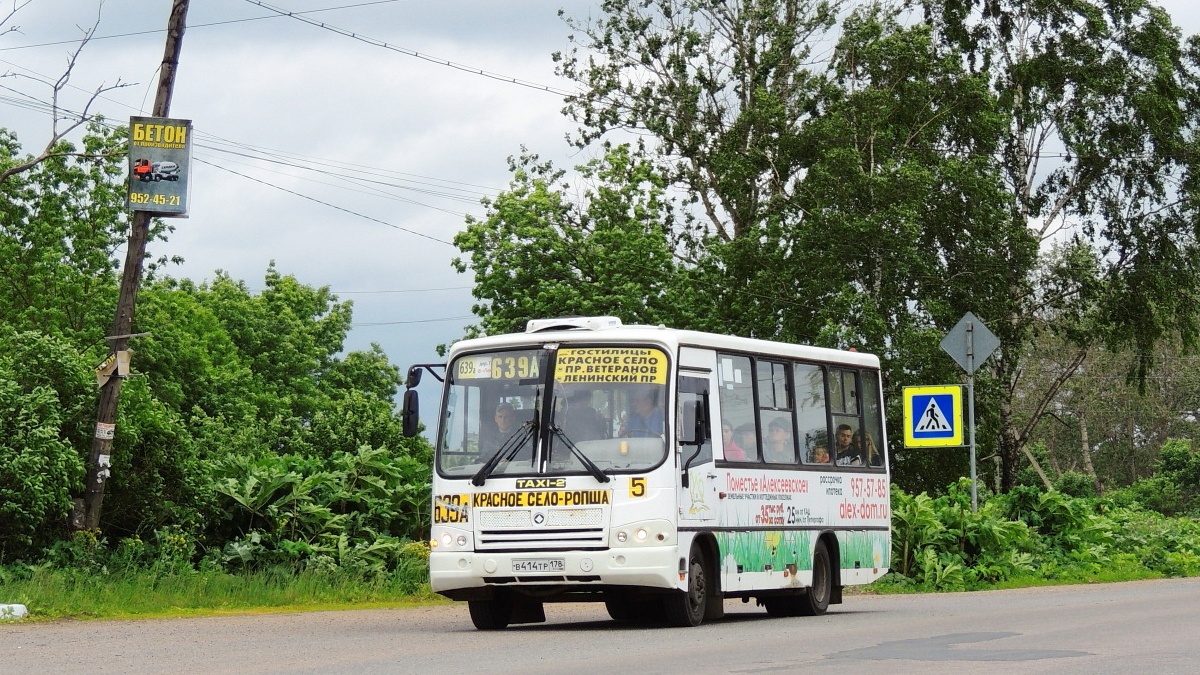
{"type": "Point", "coordinates": [160, 158]}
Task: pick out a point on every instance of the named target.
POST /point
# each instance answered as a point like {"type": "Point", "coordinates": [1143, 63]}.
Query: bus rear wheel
{"type": "Point", "coordinates": [493, 614]}
{"type": "Point", "coordinates": [816, 600]}
{"type": "Point", "coordinates": [687, 608]}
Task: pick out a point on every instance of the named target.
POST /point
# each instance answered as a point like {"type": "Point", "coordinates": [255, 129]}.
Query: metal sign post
{"type": "Point", "coordinates": [970, 343]}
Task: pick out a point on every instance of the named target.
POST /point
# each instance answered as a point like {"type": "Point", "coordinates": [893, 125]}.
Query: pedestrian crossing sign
{"type": "Point", "coordinates": [933, 417]}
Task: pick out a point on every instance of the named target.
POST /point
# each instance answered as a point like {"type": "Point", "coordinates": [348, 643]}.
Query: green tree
{"type": "Point", "coordinates": [60, 223]}
{"type": "Point", "coordinates": [537, 254]}
{"type": "Point", "coordinates": [821, 206]}
{"type": "Point", "coordinates": [1101, 423]}
{"type": "Point", "coordinates": [1101, 102]}
{"type": "Point", "coordinates": [723, 88]}
{"type": "Point", "coordinates": [44, 400]}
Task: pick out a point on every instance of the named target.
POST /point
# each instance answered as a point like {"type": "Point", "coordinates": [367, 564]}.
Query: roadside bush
{"type": "Point", "coordinates": [1075, 484]}
{"type": "Point", "coordinates": [1156, 493]}
{"type": "Point", "coordinates": [938, 544]}
{"type": "Point", "coordinates": [350, 510]}
{"type": "Point", "coordinates": [42, 395]}
{"type": "Point", "coordinates": [941, 544]}
{"type": "Point", "coordinates": [1179, 463]}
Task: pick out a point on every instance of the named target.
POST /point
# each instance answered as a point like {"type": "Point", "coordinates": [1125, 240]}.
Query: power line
{"type": "Point", "coordinates": [410, 52]}
{"type": "Point", "coordinates": [334, 206]}
{"type": "Point", "coordinates": [433, 184]}
{"type": "Point", "coordinates": [397, 323]}
{"type": "Point", "coordinates": [199, 25]}
{"type": "Point", "coordinates": [356, 178]}
{"type": "Point", "coordinates": [405, 290]}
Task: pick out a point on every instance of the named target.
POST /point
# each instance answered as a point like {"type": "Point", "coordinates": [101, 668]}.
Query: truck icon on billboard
{"type": "Point", "coordinates": [146, 171]}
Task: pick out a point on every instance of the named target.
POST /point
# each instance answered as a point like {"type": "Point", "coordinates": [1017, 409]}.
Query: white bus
{"type": "Point", "coordinates": [659, 471]}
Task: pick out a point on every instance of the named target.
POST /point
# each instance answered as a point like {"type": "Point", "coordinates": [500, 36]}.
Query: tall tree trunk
{"type": "Point", "coordinates": [1085, 449]}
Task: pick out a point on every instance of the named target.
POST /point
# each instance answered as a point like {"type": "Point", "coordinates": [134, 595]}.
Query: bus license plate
{"type": "Point", "coordinates": [539, 565]}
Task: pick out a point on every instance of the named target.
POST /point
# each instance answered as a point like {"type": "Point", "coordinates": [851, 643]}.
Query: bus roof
{"type": "Point", "coordinates": [593, 330]}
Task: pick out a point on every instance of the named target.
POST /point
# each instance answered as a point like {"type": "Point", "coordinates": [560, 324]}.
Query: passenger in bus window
{"type": "Point", "coordinates": [646, 419]}
{"type": "Point", "coordinates": [733, 451]}
{"type": "Point", "coordinates": [580, 420]}
{"type": "Point", "coordinates": [506, 421]}
{"type": "Point", "coordinates": [848, 453]}
{"type": "Point", "coordinates": [779, 446]}
{"type": "Point", "coordinates": [504, 425]}
{"type": "Point", "coordinates": [747, 439]}
{"type": "Point", "coordinates": [820, 455]}
{"type": "Point", "coordinates": [874, 456]}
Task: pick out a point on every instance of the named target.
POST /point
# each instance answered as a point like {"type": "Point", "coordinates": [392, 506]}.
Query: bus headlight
{"type": "Point", "coordinates": [451, 539]}
{"type": "Point", "coordinates": [647, 533]}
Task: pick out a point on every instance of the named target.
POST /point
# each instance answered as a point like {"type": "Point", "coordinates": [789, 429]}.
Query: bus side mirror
{"type": "Point", "coordinates": [410, 411]}
{"type": "Point", "coordinates": [414, 377]}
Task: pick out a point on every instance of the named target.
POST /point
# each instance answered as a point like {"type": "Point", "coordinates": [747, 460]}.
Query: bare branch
{"type": "Point", "coordinates": [57, 113]}
{"type": "Point", "coordinates": [17, 6]}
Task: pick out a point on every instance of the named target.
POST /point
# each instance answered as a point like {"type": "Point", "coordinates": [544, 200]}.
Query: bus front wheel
{"type": "Point", "coordinates": [687, 608]}
{"type": "Point", "coordinates": [493, 614]}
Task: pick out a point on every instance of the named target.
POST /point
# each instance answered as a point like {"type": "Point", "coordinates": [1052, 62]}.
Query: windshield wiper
{"type": "Point", "coordinates": [507, 450]}
{"type": "Point", "coordinates": [583, 459]}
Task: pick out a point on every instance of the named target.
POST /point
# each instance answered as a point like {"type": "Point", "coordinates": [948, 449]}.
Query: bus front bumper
{"type": "Point", "coordinates": [648, 567]}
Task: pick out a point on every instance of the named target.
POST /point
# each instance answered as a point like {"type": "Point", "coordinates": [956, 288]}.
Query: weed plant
{"type": "Point", "coordinates": [1030, 537]}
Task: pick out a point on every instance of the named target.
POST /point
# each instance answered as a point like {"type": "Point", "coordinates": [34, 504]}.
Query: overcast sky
{"type": "Point", "coordinates": [422, 142]}
{"type": "Point", "coordinates": [391, 149]}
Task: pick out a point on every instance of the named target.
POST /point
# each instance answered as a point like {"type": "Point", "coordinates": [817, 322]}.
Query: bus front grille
{"type": "Point", "coordinates": [545, 539]}
{"type": "Point", "coordinates": [523, 518]}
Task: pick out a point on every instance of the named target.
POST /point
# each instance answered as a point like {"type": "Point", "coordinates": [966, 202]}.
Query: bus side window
{"type": "Point", "coordinates": [848, 442]}
{"type": "Point", "coordinates": [775, 412]}
{"type": "Point", "coordinates": [737, 408]}
{"type": "Point", "coordinates": [873, 419]}
{"type": "Point", "coordinates": [812, 415]}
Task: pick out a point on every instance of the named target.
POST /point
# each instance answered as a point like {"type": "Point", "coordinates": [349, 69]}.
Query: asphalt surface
{"type": "Point", "coordinates": [1136, 627]}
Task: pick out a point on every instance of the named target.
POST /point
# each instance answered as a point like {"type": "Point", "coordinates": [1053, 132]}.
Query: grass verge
{"type": "Point", "coordinates": [58, 593]}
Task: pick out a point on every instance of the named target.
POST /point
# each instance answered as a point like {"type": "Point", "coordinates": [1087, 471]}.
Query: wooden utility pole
{"type": "Point", "coordinates": [131, 277]}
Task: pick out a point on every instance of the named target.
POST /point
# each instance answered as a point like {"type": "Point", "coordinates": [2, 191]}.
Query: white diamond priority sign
{"type": "Point", "coordinates": [933, 417]}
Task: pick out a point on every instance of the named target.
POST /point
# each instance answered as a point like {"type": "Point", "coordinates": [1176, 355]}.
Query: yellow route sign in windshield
{"type": "Point", "coordinates": [588, 365]}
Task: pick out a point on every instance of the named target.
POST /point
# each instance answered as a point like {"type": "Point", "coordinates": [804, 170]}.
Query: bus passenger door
{"type": "Point", "coordinates": [697, 474]}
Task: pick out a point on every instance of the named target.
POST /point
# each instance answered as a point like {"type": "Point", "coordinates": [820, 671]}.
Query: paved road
{"type": "Point", "coordinates": [1139, 627]}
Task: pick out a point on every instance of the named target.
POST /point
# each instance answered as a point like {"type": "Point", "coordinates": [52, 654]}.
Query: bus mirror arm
{"type": "Point", "coordinates": [414, 373]}
{"type": "Point", "coordinates": [410, 418]}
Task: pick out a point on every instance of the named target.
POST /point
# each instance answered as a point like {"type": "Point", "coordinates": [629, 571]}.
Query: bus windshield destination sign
{"type": "Point", "coordinates": [608, 365]}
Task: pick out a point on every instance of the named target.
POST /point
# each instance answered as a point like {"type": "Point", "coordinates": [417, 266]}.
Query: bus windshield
{"type": "Point", "coordinates": [523, 412]}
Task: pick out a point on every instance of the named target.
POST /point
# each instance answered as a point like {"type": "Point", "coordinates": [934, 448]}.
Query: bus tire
{"type": "Point", "coordinates": [493, 614]}
{"type": "Point", "coordinates": [816, 600]}
{"type": "Point", "coordinates": [686, 609]}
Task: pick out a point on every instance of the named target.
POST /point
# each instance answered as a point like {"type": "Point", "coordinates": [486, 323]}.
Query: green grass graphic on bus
{"type": "Point", "coordinates": [763, 550]}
